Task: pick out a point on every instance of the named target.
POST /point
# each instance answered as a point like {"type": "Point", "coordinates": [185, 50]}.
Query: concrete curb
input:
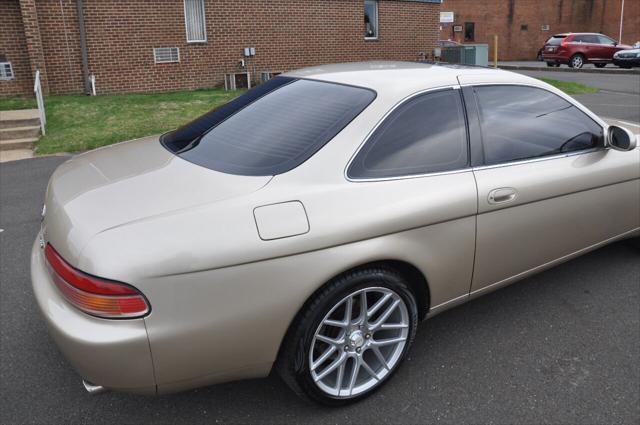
{"type": "Point", "coordinates": [586, 71]}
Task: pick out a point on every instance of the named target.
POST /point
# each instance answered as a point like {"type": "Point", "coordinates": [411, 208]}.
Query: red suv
{"type": "Point", "coordinates": [576, 49]}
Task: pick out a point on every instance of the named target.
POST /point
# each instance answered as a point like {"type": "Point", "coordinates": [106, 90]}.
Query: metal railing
{"type": "Point", "coordinates": [37, 89]}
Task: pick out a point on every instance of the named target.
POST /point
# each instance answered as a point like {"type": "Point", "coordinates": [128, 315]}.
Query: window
{"type": "Point", "coordinates": [606, 40]}
{"type": "Point", "coordinates": [271, 129]}
{"type": "Point", "coordinates": [371, 19]}
{"type": "Point", "coordinates": [6, 72]}
{"type": "Point", "coordinates": [166, 54]}
{"type": "Point", "coordinates": [586, 39]}
{"type": "Point", "coordinates": [426, 134]}
{"type": "Point", "coordinates": [194, 21]}
{"type": "Point", "coordinates": [525, 122]}
{"type": "Point", "coordinates": [524, 27]}
{"type": "Point", "coordinates": [556, 40]}
{"type": "Point", "coordinates": [469, 31]}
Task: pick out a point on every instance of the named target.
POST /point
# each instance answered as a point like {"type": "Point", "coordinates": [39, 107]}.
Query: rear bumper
{"type": "Point", "coordinates": [555, 57]}
{"type": "Point", "coordinates": [114, 354]}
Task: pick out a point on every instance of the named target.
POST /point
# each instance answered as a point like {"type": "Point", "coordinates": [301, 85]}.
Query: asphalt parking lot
{"type": "Point", "coordinates": [619, 95]}
{"type": "Point", "coordinates": [560, 347]}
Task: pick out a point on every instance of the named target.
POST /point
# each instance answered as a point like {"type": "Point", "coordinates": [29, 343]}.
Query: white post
{"type": "Point", "coordinates": [37, 88]}
{"type": "Point", "coordinates": [621, 21]}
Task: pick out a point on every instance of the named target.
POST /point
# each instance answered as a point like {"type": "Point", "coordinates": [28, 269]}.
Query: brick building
{"type": "Point", "coordinates": [149, 46]}
{"type": "Point", "coordinates": [524, 25]}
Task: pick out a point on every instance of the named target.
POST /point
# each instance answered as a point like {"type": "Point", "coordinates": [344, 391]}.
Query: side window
{"type": "Point", "coordinates": [424, 135]}
{"type": "Point", "coordinates": [525, 122]}
{"type": "Point", "coordinates": [590, 39]}
{"type": "Point", "coordinates": [606, 40]}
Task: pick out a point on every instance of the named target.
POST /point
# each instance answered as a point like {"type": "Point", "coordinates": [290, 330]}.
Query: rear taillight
{"type": "Point", "coordinates": [564, 41]}
{"type": "Point", "coordinates": [93, 295]}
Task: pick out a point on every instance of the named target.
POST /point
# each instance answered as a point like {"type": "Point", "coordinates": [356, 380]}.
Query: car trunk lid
{"type": "Point", "coordinates": [131, 181]}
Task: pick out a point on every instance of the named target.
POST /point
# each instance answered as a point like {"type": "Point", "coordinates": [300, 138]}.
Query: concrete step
{"type": "Point", "coordinates": [10, 144]}
{"type": "Point", "coordinates": [15, 155]}
{"type": "Point", "coordinates": [19, 118]}
{"type": "Point", "coordinates": [19, 132]}
{"type": "Point", "coordinates": [19, 123]}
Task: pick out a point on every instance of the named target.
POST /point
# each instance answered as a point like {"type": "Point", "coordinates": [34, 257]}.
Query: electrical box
{"type": "Point", "coordinates": [466, 54]}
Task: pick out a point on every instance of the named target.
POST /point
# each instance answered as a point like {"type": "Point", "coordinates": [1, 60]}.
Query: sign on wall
{"type": "Point", "coordinates": [446, 17]}
{"type": "Point", "coordinates": [457, 28]}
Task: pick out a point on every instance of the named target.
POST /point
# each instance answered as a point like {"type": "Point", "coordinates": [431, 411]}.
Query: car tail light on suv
{"type": "Point", "coordinates": [93, 295]}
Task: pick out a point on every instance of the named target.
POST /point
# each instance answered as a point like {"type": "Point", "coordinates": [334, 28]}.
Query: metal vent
{"type": "Point", "coordinates": [6, 72]}
{"type": "Point", "coordinates": [166, 54]}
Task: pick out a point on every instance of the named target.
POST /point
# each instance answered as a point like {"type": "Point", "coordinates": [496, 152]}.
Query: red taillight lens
{"type": "Point", "coordinates": [93, 295]}
{"type": "Point", "coordinates": [564, 41]}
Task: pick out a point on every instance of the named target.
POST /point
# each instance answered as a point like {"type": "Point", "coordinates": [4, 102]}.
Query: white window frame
{"type": "Point", "coordinates": [186, 25]}
{"type": "Point", "coordinates": [155, 56]}
{"type": "Point", "coordinates": [377, 23]}
{"type": "Point", "coordinates": [3, 74]}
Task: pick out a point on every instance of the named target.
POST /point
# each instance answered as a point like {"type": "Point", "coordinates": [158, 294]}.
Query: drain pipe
{"type": "Point", "coordinates": [83, 47]}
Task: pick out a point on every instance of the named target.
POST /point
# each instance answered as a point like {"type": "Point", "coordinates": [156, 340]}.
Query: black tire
{"type": "Point", "coordinates": [577, 61]}
{"type": "Point", "coordinates": [600, 65]}
{"type": "Point", "coordinates": [293, 359]}
{"type": "Point", "coordinates": [551, 64]}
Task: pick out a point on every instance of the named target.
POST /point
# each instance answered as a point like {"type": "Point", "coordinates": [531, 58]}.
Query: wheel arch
{"type": "Point", "coordinates": [416, 280]}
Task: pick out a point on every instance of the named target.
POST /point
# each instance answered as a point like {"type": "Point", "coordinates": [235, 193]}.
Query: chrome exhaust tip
{"type": "Point", "coordinates": [93, 389]}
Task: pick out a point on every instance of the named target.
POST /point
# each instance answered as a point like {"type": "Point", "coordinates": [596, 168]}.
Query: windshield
{"type": "Point", "coordinates": [271, 129]}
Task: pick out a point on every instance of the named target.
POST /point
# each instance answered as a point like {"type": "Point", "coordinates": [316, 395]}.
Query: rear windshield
{"type": "Point", "coordinates": [556, 40]}
{"type": "Point", "coordinates": [271, 129]}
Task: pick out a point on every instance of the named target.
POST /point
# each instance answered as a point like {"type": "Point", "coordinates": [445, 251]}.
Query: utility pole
{"type": "Point", "coordinates": [621, 21]}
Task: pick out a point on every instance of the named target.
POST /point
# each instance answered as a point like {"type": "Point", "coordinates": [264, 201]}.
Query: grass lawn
{"type": "Point", "coordinates": [11, 103]}
{"type": "Point", "coordinates": [571, 88]}
{"type": "Point", "coordinates": [79, 123]}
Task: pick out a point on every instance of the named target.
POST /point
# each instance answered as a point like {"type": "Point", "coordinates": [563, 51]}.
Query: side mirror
{"type": "Point", "coordinates": [621, 139]}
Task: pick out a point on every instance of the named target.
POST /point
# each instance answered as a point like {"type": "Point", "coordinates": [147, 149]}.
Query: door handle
{"type": "Point", "coordinates": [502, 195]}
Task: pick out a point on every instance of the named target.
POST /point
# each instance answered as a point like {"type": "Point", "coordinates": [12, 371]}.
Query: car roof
{"type": "Point", "coordinates": [397, 76]}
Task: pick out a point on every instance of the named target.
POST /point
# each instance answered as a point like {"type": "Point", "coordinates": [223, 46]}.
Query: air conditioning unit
{"type": "Point", "coordinates": [267, 75]}
{"type": "Point", "coordinates": [237, 80]}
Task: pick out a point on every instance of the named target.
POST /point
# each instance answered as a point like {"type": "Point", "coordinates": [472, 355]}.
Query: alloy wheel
{"type": "Point", "coordinates": [359, 342]}
{"type": "Point", "coordinates": [577, 61]}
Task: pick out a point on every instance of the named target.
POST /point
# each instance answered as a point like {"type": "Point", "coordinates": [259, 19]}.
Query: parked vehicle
{"type": "Point", "coordinates": [577, 49]}
{"type": "Point", "coordinates": [311, 223]}
{"type": "Point", "coordinates": [627, 58]}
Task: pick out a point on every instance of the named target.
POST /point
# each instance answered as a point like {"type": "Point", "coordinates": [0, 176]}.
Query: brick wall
{"type": "Point", "coordinates": [60, 37]}
{"type": "Point", "coordinates": [287, 34]}
{"type": "Point", "coordinates": [13, 47]}
{"type": "Point", "coordinates": [506, 17]}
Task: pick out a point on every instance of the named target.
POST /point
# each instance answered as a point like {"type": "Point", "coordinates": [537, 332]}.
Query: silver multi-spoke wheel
{"type": "Point", "coordinates": [359, 342]}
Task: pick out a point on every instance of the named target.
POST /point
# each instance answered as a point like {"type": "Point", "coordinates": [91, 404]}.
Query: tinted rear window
{"type": "Point", "coordinates": [556, 40]}
{"type": "Point", "coordinates": [271, 129]}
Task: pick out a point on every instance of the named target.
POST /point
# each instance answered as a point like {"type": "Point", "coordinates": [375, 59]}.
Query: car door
{"type": "Point", "coordinates": [413, 174]}
{"type": "Point", "coordinates": [606, 48]}
{"type": "Point", "coordinates": [584, 44]}
{"type": "Point", "coordinates": [547, 187]}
